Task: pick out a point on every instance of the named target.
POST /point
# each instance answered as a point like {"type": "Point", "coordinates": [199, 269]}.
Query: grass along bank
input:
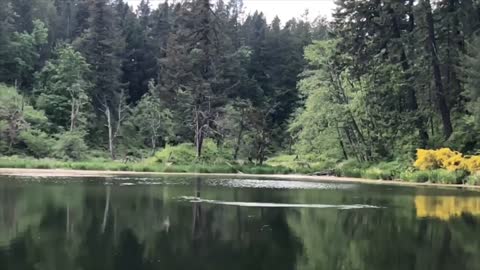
{"type": "Point", "coordinates": [283, 165]}
{"type": "Point", "coordinates": [394, 170]}
{"type": "Point", "coordinates": [142, 166]}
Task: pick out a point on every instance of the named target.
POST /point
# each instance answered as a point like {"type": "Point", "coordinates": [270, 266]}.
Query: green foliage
{"type": "Point", "coordinates": [472, 77]}
{"type": "Point", "coordinates": [6, 26]}
{"type": "Point", "coordinates": [340, 111]}
{"type": "Point", "coordinates": [350, 168]}
{"type": "Point", "coordinates": [473, 180]}
{"type": "Point", "coordinates": [70, 146]}
{"type": "Point", "coordinates": [439, 176]}
{"type": "Point", "coordinates": [415, 176]}
{"type": "Point", "coordinates": [213, 153]}
{"type": "Point", "coordinates": [17, 116]}
{"type": "Point", "coordinates": [108, 165]}
{"type": "Point", "coordinates": [185, 153]}
{"type": "Point", "coordinates": [314, 125]}
{"type": "Point", "coordinates": [378, 173]}
{"type": "Point", "coordinates": [178, 154]}
{"type": "Point", "coordinates": [466, 136]}
{"type": "Point", "coordinates": [62, 86]}
{"type": "Point", "coordinates": [302, 164]}
{"type": "Point", "coordinates": [196, 72]}
{"type": "Point", "coordinates": [26, 51]}
{"type": "Point", "coordinates": [39, 144]}
{"type": "Point", "coordinates": [153, 120]}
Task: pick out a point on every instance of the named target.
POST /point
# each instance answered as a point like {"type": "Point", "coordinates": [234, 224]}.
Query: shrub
{"type": "Point", "coordinates": [302, 164]}
{"type": "Point", "coordinates": [213, 154]}
{"type": "Point", "coordinates": [180, 154]}
{"type": "Point", "coordinates": [474, 179]}
{"type": "Point", "coordinates": [445, 158]}
{"type": "Point", "coordinates": [288, 160]}
{"type": "Point", "coordinates": [415, 176]}
{"type": "Point", "coordinates": [443, 176]}
{"type": "Point", "coordinates": [472, 164]}
{"type": "Point", "coordinates": [377, 173]}
{"type": "Point", "coordinates": [38, 143]}
{"type": "Point", "coordinates": [426, 160]}
{"type": "Point", "coordinates": [351, 168]}
{"type": "Point", "coordinates": [264, 170]}
{"type": "Point", "coordinates": [185, 153]}
{"type": "Point", "coordinates": [70, 145]}
{"type": "Point", "coordinates": [385, 170]}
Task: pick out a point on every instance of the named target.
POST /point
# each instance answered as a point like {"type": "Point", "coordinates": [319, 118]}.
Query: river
{"type": "Point", "coordinates": [224, 223]}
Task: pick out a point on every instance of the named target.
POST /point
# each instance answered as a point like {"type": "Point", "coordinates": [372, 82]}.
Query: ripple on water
{"type": "Point", "coordinates": [280, 205]}
{"type": "Point", "coordinates": [276, 184]}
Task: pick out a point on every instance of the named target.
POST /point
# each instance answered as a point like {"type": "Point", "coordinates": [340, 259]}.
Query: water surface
{"type": "Point", "coordinates": [210, 223]}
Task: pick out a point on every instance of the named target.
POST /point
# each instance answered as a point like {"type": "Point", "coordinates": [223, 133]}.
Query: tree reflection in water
{"type": "Point", "coordinates": [99, 225]}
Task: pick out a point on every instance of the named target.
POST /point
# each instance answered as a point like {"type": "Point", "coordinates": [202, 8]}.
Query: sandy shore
{"type": "Point", "coordinates": [102, 174]}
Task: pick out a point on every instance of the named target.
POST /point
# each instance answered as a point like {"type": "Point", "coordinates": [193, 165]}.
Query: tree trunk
{"type": "Point", "coordinates": [198, 132]}
{"type": "Point", "coordinates": [111, 146]}
{"type": "Point", "coordinates": [154, 144]}
{"type": "Point", "coordinates": [72, 116]}
{"type": "Point", "coordinates": [199, 145]}
{"type": "Point", "coordinates": [439, 90]}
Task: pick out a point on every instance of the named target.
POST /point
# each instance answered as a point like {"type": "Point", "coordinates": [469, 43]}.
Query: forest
{"type": "Point", "coordinates": [202, 81]}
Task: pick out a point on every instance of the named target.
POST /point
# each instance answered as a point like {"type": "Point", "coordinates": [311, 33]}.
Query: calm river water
{"type": "Point", "coordinates": [182, 223]}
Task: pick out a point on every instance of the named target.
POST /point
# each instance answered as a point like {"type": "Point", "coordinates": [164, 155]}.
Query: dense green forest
{"type": "Point", "coordinates": [84, 74]}
{"type": "Point", "coordinates": [91, 78]}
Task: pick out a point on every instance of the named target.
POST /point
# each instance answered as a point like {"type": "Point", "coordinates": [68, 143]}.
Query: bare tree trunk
{"type": "Point", "coordinates": [17, 84]}
{"type": "Point", "coordinates": [154, 144]}
{"type": "Point", "coordinates": [440, 92]}
{"type": "Point", "coordinates": [198, 132]}
{"type": "Point", "coordinates": [111, 146]}
{"type": "Point", "coordinates": [72, 116]}
{"type": "Point", "coordinates": [199, 144]}
{"type": "Point", "coordinates": [114, 125]}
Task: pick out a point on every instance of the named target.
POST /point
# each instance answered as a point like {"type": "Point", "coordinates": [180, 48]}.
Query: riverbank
{"type": "Point", "coordinates": [139, 166]}
{"type": "Point", "coordinates": [290, 177]}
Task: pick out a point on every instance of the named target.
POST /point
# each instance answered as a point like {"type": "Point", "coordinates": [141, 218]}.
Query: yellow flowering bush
{"type": "Point", "coordinates": [446, 158]}
{"type": "Point", "coordinates": [454, 163]}
{"type": "Point", "coordinates": [426, 160]}
{"type": "Point", "coordinates": [472, 164]}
